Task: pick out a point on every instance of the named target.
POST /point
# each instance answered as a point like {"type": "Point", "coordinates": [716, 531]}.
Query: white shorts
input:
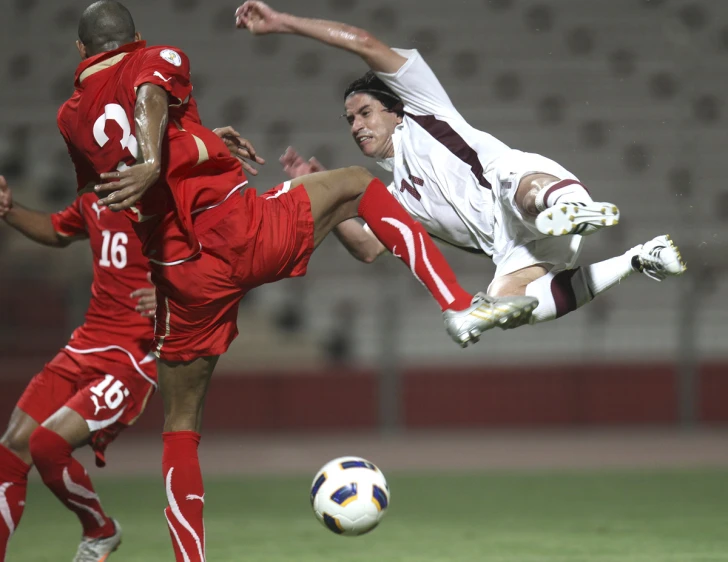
{"type": "Point", "coordinates": [517, 242]}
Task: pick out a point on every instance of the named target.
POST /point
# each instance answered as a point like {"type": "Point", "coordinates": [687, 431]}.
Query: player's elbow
{"type": "Point", "coordinates": [362, 253]}
{"type": "Point", "coordinates": [365, 41]}
{"type": "Point", "coordinates": [58, 241]}
{"type": "Point", "coordinates": [367, 258]}
{"type": "Point", "coordinates": [371, 253]}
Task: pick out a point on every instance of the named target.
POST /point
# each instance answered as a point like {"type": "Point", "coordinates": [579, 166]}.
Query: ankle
{"type": "Point", "coordinates": [570, 191]}
{"type": "Point", "coordinates": [108, 529]}
{"type": "Point", "coordinates": [461, 302]}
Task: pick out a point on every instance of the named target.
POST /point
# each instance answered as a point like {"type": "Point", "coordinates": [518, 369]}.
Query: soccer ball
{"type": "Point", "coordinates": [349, 496]}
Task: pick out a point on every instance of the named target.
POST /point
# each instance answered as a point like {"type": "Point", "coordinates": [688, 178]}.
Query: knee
{"type": "Point", "coordinates": [17, 444]}
{"type": "Point", "coordinates": [36, 445]}
{"type": "Point", "coordinates": [47, 448]}
{"type": "Point", "coordinates": [360, 174]}
{"type": "Point", "coordinates": [358, 179]}
{"type": "Point", "coordinates": [528, 190]}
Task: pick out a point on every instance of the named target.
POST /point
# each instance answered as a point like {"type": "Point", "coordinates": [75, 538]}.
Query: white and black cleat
{"type": "Point", "coordinates": [486, 313]}
{"type": "Point", "coordinates": [577, 218]}
{"type": "Point", "coordinates": [659, 258]}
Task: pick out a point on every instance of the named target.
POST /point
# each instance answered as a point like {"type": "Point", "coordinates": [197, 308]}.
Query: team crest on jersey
{"type": "Point", "coordinates": [171, 57]}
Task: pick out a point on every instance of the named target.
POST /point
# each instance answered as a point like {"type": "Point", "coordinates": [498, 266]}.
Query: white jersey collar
{"type": "Point", "coordinates": [389, 163]}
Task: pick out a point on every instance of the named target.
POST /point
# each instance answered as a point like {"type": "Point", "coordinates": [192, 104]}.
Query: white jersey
{"type": "Point", "coordinates": [440, 161]}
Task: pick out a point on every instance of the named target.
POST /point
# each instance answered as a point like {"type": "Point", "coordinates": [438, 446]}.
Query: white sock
{"type": "Point", "coordinates": [560, 292]}
{"type": "Point", "coordinates": [570, 191]}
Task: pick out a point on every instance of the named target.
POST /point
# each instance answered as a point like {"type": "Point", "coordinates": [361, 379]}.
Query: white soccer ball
{"type": "Point", "coordinates": [349, 496]}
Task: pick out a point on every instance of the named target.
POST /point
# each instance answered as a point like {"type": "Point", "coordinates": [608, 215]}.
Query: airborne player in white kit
{"type": "Point", "coordinates": [465, 186]}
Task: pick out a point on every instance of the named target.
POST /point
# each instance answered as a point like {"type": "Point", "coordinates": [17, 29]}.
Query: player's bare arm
{"type": "Point", "coordinates": [151, 115]}
{"type": "Point", "coordinates": [359, 242]}
{"type": "Point", "coordinates": [261, 19]}
{"type": "Point", "coordinates": [34, 225]}
{"type": "Point", "coordinates": [240, 148]}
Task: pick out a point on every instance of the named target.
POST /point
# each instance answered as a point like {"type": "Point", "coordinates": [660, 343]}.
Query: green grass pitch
{"type": "Point", "coordinates": [635, 516]}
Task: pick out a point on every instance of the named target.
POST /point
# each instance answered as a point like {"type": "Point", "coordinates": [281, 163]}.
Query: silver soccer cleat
{"type": "Point", "coordinates": [659, 258]}
{"type": "Point", "coordinates": [98, 550]}
{"type": "Point", "coordinates": [577, 218]}
{"type": "Point", "coordinates": [486, 313]}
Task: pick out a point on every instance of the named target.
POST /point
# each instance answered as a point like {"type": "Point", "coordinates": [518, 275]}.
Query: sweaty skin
{"type": "Point", "coordinates": [151, 116]}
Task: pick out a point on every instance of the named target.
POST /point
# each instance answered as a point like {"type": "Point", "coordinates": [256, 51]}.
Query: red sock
{"type": "Point", "coordinates": [69, 481]}
{"type": "Point", "coordinates": [185, 494]}
{"type": "Point", "coordinates": [13, 483]}
{"type": "Point", "coordinates": [408, 240]}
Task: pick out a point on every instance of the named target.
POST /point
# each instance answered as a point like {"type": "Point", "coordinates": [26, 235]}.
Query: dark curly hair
{"type": "Point", "coordinates": [371, 84]}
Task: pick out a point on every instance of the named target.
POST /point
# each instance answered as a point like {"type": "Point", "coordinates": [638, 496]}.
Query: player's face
{"type": "Point", "coordinates": [372, 125]}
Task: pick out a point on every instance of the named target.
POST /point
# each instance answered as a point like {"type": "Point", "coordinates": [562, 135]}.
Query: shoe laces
{"type": "Point", "coordinates": [652, 258]}
{"type": "Point", "coordinates": [482, 298]}
{"type": "Point", "coordinates": [86, 551]}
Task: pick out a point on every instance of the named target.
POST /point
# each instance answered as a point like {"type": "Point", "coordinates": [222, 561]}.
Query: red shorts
{"type": "Point", "coordinates": [104, 388]}
{"type": "Point", "coordinates": [246, 242]}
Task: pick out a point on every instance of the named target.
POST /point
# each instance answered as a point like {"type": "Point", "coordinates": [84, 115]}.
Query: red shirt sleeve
{"type": "Point", "coordinates": [168, 68]}
{"type": "Point", "coordinates": [70, 221]}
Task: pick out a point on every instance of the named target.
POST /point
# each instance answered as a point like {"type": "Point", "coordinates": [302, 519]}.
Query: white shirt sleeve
{"type": "Point", "coordinates": [418, 87]}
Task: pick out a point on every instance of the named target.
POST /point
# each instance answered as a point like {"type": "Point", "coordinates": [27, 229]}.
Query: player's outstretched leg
{"type": "Point", "coordinates": [338, 195]}
{"type": "Point", "coordinates": [15, 463]}
{"type": "Point", "coordinates": [562, 207]}
{"type": "Point", "coordinates": [183, 386]}
{"type": "Point", "coordinates": [561, 291]}
{"type": "Point", "coordinates": [51, 448]}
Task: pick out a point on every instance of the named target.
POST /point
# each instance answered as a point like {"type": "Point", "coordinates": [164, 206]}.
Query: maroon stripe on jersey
{"type": "Point", "coordinates": [558, 185]}
{"type": "Point", "coordinates": [446, 135]}
{"type": "Point", "coordinates": [563, 292]}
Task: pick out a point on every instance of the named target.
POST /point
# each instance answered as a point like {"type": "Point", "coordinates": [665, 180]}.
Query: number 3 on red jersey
{"type": "Point", "coordinates": [114, 112]}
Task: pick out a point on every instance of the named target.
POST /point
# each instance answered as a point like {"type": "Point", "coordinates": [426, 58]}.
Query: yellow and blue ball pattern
{"type": "Point", "coordinates": [350, 496]}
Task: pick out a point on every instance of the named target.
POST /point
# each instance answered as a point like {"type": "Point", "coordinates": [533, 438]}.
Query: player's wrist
{"type": "Point", "coordinates": [288, 23]}
{"type": "Point", "coordinates": [154, 165]}
{"type": "Point", "coordinates": [10, 213]}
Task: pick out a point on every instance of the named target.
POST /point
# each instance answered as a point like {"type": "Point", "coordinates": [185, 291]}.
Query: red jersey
{"type": "Point", "coordinates": [119, 269]}
{"type": "Point", "coordinates": [97, 123]}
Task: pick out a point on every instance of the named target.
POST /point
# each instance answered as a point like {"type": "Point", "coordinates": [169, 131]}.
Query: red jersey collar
{"type": "Point", "coordinates": [104, 60]}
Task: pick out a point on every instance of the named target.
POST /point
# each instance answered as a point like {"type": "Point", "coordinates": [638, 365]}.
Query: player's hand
{"type": "Point", "coordinates": [240, 148]}
{"type": "Point", "coordinates": [6, 198]}
{"type": "Point", "coordinates": [259, 18]}
{"type": "Point", "coordinates": [147, 299]}
{"type": "Point", "coordinates": [128, 186]}
{"type": "Point", "coordinates": [295, 166]}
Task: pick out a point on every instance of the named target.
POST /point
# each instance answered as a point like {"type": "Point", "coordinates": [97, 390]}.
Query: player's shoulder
{"type": "Point", "coordinates": [66, 107]}
{"type": "Point", "coordinates": [168, 53]}
{"type": "Point", "coordinates": [412, 57]}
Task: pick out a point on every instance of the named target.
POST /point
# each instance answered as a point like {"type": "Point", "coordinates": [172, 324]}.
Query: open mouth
{"type": "Point", "coordinates": [363, 140]}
